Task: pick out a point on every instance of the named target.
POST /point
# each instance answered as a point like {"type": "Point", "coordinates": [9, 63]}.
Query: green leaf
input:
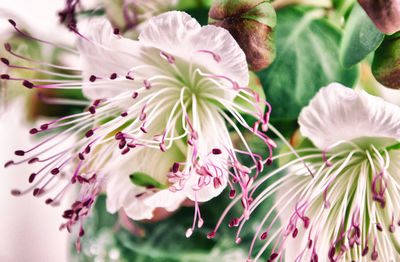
{"type": "Point", "coordinates": [192, 4]}
{"type": "Point", "coordinates": [360, 37]}
{"type": "Point", "coordinates": [393, 147]}
{"type": "Point", "coordinates": [307, 59]}
{"type": "Point", "coordinates": [144, 180]}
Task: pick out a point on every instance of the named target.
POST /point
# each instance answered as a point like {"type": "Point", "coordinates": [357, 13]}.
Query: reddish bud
{"type": "Point", "coordinates": [384, 14]}
{"type": "Point", "coordinates": [252, 25]}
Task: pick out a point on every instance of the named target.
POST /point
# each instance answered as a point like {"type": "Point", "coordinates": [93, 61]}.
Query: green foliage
{"type": "Point", "coordinates": [307, 59]}
{"type": "Point", "coordinates": [200, 14]}
{"type": "Point", "coordinates": [193, 4]}
{"type": "Point", "coordinates": [143, 180]}
{"type": "Point", "coordinates": [360, 37]}
{"type": "Point", "coordinates": [393, 147]}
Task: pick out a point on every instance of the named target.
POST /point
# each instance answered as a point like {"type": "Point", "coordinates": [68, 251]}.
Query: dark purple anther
{"type": "Point", "coordinates": [33, 160]}
{"type": "Point", "coordinates": [87, 150]}
{"type": "Point", "coordinates": [12, 22]}
{"type": "Point", "coordinates": [113, 76]}
{"type": "Point", "coordinates": [37, 191]}
{"type": "Point", "coordinates": [55, 171]}
{"type": "Point", "coordinates": [119, 136]}
{"type": "Point", "coordinates": [92, 78]}
{"type": "Point", "coordinates": [306, 222]}
{"type": "Point", "coordinates": [273, 256]}
{"type": "Point", "coordinates": [19, 152]}
{"type": "Point", "coordinates": [92, 110]}
{"type": "Point", "coordinates": [5, 61]}
{"type": "Point", "coordinates": [216, 151]}
{"type": "Point", "coordinates": [175, 167]}
{"type": "Point", "coordinates": [27, 84]}
{"type": "Point", "coordinates": [126, 150]}
{"type": "Point", "coordinates": [116, 31]}
{"type": "Point", "coordinates": [232, 193]}
{"type": "Point", "coordinates": [122, 144]}
{"type": "Point", "coordinates": [295, 232]}
{"type": "Point", "coordinates": [87, 202]}
{"type": "Point", "coordinates": [264, 235]}
{"type": "Point", "coordinates": [96, 102]}
{"type": "Point", "coordinates": [68, 213]}
{"type": "Point", "coordinates": [32, 177]}
{"type": "Point", "coordinates": [365, 251]}
{"type": "Point", "coordinates": [89, 133]}
{"type": "Point", "coordinates": [8, 163]}
{"type": "Point", "coordinates": [5, 76]}
{"type": "Point", "coordinates": [332, 252]}
{"type": "Point", "coordinates": [309, 243]}
{"type": "Point", "coordinates": [81, 156]}
{"type": "Point", "coordinates": [33, 131]}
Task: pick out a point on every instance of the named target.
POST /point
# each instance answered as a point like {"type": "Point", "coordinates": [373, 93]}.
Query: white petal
{"type": "Point", "coordinates": [339, 113]}
{"type": "Point", "coordinates": [121, 193]}
{"type": "Point", "coordinates": [136, 208]}
{"type": "Point", "coordinates": [103, 55]}
{"type": "Point", "coordinates": [178, 34]}
{"type": "Point", "coordinates": [118, 189]}
{"type": "Point", "coordinates": [166, 199]}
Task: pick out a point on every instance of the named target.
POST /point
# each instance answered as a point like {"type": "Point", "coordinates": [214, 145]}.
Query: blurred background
{"type": "Point", "coordinates": [29, 227]}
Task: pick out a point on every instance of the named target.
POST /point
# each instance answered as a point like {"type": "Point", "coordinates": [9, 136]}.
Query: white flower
{"type": "Point", "coordinates": [159, 112]}
{"type": "Point", "coordinates": [343, 204]}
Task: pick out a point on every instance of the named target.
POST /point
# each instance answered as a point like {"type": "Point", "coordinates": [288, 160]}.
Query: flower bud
{"type": "Point", "coordinates": [384, 14]}
{"type": "Point", "coordinates": [128, 14]}
{"type": "Point", "coordinates": [386, 64]}
{"type": "Point", "coordinates": [251, 23]}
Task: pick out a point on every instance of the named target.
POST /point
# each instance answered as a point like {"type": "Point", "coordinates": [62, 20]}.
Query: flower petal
{"type": "Point", "coordinates": [178, 34]}
{"type": "Point", "coordinates": [339, 113]}
{"type": "Point", "coordinates": [122, 193]}
{"type": "Point", "coordinates": [104, 54]}
{"type": "Point", "coordinates": [166, 199]}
